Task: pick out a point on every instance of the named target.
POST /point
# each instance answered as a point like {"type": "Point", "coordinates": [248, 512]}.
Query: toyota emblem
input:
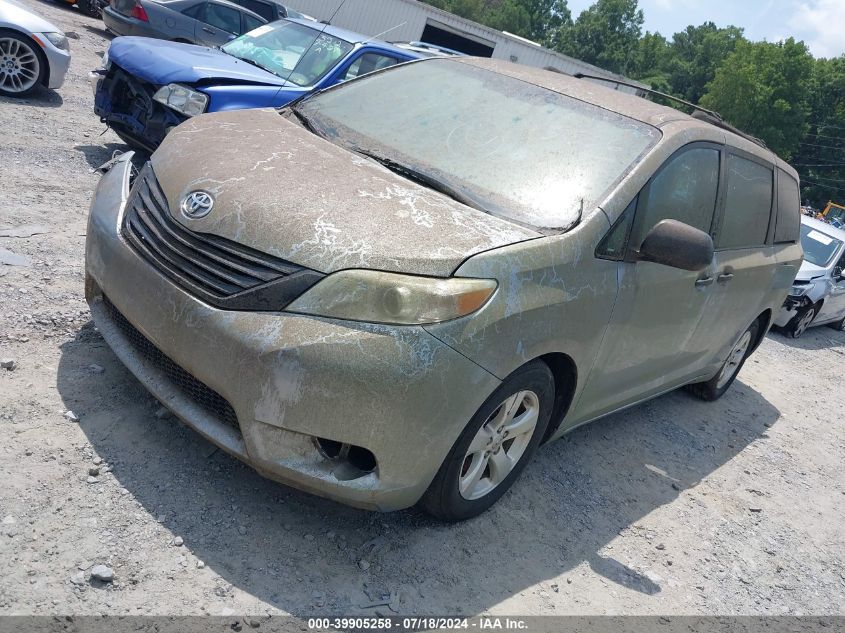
{"type": "Point", "coordinates": [197, 204]}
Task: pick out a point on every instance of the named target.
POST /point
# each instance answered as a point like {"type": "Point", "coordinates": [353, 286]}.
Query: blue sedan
{"type": "Point", "coordinates": [147, 87]}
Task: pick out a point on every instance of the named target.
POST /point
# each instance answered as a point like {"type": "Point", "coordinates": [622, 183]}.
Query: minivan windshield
{"type": "Point", "coordinates": [819, 248]}
{"type": "Point", "coordinates": [519, 151]}
{"type": "Point", "coordinates": [290, 50]}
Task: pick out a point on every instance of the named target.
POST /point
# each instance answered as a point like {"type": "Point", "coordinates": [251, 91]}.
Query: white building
{"type": "Point", "coordinates": [409, 20]}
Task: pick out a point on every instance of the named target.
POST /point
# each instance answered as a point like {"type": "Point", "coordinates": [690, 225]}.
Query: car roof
{"type": "Point", "coordinates": [623, 103]}
{"type": "Point", "coordinates": [352, 37]}
{"type": "Point", "coordinates": [823, 227]}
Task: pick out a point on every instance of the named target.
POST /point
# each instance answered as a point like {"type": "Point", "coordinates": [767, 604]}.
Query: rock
{"type": "Point", "coordinates": [96, 369]}
{"type": "Point", "coordinates": [569, 581]}
{"type": "Point", "coordinates": [363, 564]}
{"type": "Point", "coordinates": [92, 480]}
{"type": "Point", "coordinates": [78, 578]}
{"type": "Point", "coordinates": [102, 573]}
{"type": "Point", "coordinates": [93, 471]}
{"type": "Point", "coordinates": [660, 546]}
{"type": "Point", "coordinates": [676, 486]}
{"type": "Point", "coordinates": [178, 541]}
{"type": "Point", "coordinates": [71, 416]}
{"type": "Point", "coordinates": [756, 509]}
{"type": "Point", "coordinates": [12, 259]}
{"type": "Point", "coordinates": [97, 461]}
{"type": "Point", "coordinates": [9, 364]}
{"type": "Point", "coordinates": [200, 564]}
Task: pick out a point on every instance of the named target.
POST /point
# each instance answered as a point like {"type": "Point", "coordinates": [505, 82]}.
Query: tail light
{"type": "Point", "coordinates": [139, 13]}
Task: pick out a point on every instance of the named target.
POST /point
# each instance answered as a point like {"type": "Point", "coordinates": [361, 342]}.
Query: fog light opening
{"type": "Point", "coordinates": [349, 461]}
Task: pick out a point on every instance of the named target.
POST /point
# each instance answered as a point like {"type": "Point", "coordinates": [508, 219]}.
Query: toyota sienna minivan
{"type": "Point", "coordinates": [394, 291]}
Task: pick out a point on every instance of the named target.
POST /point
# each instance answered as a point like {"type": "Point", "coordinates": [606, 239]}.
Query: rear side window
{"type": "Point", "coordinates": [789, 209]}
{"type": "Point", "coordinates": [224, 18]}
{"type": "Point", "coordinates": [263, 9]}
{"type": "Point", "coordinates": [685, 190]}
{"type": "Point", "coordinates": [748, 204]}
{"type": "Point", "coordinates": [251, 23]}
{"type": "Point", "coordinates": [367, 63]}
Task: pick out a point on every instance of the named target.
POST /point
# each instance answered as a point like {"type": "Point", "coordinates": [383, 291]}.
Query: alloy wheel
{"type": "Point", "coordinates": [499, 445]}
{"type": "Point", "coordinates": [19, 65]}
{"type": "Point", "coordinates": [804, 323]}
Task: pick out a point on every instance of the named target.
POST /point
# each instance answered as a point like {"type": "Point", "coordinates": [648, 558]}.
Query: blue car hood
{"type": "Point", "coordinates": [161, 62]}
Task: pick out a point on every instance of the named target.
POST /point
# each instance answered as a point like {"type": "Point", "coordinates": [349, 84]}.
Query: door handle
{"type": "Point", "coordinates": [702, 283]}
{"type": "Point", "coordinates": [208, 30]}
{"type": "Point", "coordinates": [725, 278]}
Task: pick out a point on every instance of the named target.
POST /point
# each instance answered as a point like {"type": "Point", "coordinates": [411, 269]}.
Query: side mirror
{"type": "Point", "coordinates": [673, 243]}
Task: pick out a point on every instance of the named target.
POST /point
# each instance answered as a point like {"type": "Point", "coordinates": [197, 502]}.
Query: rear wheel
{"type": "Point", "coordinates": [22, 67]}
{"type": "Point", "coordinates": [801, 321]}
{"type": "Point", "coordinates": [495, 446]}
{"type": "Point", "coordinates": [90, 7]}
{"type": "Point", "coordinates": [718, 385]}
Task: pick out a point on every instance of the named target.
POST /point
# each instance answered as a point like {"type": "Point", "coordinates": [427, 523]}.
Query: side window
{"type": "Point", "coordinates": [685, 190]}
{"type": "Point", "coordinates": [367, 63]}
{"type": "Point", "coordinates": [195, 11]}
{"type": "Point", "coordinates": [748, 204]}
{"type": "Point", "coordinates": [251, 22]}
{"type": "Point", "coordinates": [224, 18]}
{"type": "Point", "coordinates": [263, 9]}
{"type": "Point", "coordinates": [789, 209]}
{"type": "Point", "coordinates": [613, 244]}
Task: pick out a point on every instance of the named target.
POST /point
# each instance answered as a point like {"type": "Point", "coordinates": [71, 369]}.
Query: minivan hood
{"type": "Point", "coordinates": [282, 190]}
{"type": "Point", "coordinates": [161, 62]}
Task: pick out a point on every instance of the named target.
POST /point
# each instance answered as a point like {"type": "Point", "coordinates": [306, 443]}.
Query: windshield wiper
{"type": "Point", "coordinates": [252, 62]}
{"type": "Point", "coordinates": [307, 123]}
{"type": "Point", "coordinates": [423, 178]}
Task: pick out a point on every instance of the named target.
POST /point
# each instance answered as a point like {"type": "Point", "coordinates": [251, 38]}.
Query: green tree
{"type": "Point", "coordinates": [652, 61]}
{"type": "Point", "coordinates": [762, 88]}
{"type": "Point", "coordinates": [820, 159]}
{"type": "Point", "coordinates": [696, 53]}
{"type": "Point", "coordinates": [606, 34]}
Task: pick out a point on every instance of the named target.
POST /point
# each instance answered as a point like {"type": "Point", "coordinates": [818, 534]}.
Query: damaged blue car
{"type": "Point", "coordinates": [147, 87]}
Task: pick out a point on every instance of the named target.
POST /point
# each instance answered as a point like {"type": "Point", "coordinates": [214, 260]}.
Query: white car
{"type": "Point", "coordinates": [818, 294]}
{"type": "Point", "coordinates": [33, 52]}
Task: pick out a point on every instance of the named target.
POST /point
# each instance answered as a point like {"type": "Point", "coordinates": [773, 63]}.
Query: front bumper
{"type": "Point", "coordinates": [790, 308]}
{"type": "Point", "coordinates": [126, 103]}
{"type": "Point", "coordinates": [58, 60]}
{"type": "Point", "coordinates": [395, 391]}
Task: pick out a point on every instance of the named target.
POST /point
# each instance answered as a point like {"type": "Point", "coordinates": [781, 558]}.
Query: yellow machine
{"type": "Point", "coordinates": [834, 211]}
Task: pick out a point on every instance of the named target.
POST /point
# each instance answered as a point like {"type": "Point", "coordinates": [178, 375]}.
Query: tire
{"type": "Point", "coordinates": [719, 384]}
{"type": "Point", "coordinates": [526, 396]}
{"type": "Point", "coordinates": [90, 8]}
{"type": "Point", "coordinates": [838, 325]}
{"type": "Point", "coordinates": [23, 64]}
{"type": "Point", "coordinates": [801, 321]}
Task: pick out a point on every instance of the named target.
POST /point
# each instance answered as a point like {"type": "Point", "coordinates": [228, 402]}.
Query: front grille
{"type": "Point", "coordinates": [223, 273]}
{"type": "Point", "coordinates": [208, 399]}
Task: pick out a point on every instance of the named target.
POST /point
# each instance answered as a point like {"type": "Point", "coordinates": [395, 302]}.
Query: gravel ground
{"type": "Point", "coordinates": [673, 507]}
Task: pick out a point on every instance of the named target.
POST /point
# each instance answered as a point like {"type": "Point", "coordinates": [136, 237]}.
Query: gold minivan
{"type": "Point", "coordinates": [395, 290]}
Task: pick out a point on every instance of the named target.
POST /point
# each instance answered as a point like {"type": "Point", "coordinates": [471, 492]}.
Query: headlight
{"type": "Point", "coordinates": [58, 40]}
{"type": "Point", "coordinates": [182, 99]}
{"type": "Point", "coordinates": [379, 297]}
{"type": "Point", "coordinates": [800, 290]}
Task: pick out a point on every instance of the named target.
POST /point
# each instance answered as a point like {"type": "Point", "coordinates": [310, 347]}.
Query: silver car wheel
{"type": "Point", "coordinates": [499, 445]}
{"type": "Point", "coordinates": [19, 65]}
{"type": "Point", "coordinates": [734, 361]}
{"type": "Point", "coordinates": [804, 323]}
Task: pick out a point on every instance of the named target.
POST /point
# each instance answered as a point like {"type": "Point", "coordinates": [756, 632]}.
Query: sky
{"type": "Point", "coordinates": [819, 23]}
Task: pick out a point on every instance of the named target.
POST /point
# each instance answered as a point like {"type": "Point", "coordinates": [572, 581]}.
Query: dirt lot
{"type": "Point", "coordinates": [676, 506]}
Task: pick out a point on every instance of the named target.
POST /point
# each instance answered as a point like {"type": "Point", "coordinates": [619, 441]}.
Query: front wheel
{"type": "Point", "coordinates": [21, 65]}
{"type": "Point", "coordinates": [801, 321]}
{"type": "Point", "coordinates": [718, 385]}
{"type": "Point", "coordinates": [495, 446]}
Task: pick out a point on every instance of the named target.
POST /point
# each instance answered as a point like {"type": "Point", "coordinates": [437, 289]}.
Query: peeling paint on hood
{"type": "Point", "coordinates": [282, 190]}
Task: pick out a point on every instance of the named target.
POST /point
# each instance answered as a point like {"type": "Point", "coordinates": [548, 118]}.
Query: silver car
{"type": "Point", "coordinates": [818, 294]}
{"type": "Point", "coordinates": [33, 52]}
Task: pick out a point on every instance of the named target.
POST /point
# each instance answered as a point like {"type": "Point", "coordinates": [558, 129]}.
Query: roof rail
{"type": "Point", "coordinates": [701, 114]}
